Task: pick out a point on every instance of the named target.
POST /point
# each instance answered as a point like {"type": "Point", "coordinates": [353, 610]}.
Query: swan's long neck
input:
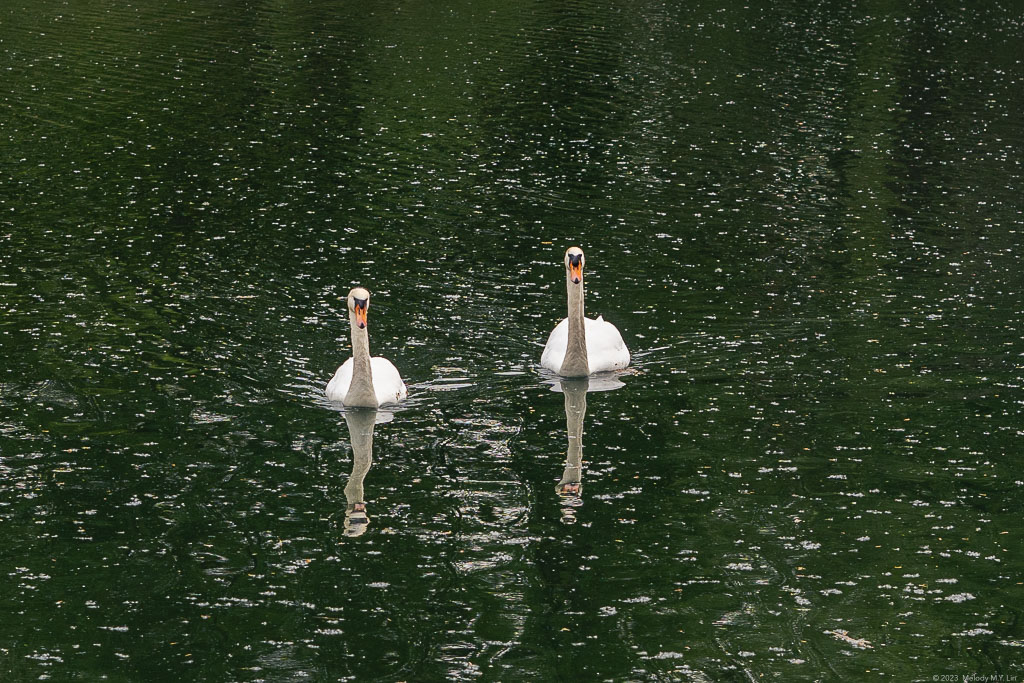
{"type": "Point", "coordinates": [360, 391]}
{"type": "Point", "coordinates": [575, 363]}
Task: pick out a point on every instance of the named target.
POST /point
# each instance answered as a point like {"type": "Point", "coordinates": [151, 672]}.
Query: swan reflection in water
{"type": "Point", "coordinates": [360, 428]}
{"type": "Point", "coordinates": [570, 488]}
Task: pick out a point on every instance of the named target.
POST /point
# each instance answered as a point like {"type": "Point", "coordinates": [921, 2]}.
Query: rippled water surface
{"type": "Point", "coordinates": [806, 221]}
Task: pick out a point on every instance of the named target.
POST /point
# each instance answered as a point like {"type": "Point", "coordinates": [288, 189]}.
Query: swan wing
{"type": "Point", "coordinates": [554, 350]}
{"type": "Point", "coordinates": [605, 348]}
{"type": "Point", "coordinates": [338, 386]}
{"type": "Point", "coordinates": [387, 381]}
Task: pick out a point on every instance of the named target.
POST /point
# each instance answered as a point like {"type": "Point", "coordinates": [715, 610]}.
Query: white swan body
{"type": "Point", "coordinates": [388, 386]}
{"type": "Point", "coordinates": [580, 346]}
{"type": "Point", "coordinates": [361, 380]}
{"type": "Point", "coordinates": [605, 348]}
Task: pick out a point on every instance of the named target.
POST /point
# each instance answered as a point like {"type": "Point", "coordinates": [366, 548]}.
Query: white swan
{"type": "Point", "coordinates": [580, 346]}
{"type": "Point", "coordinates": [363, 381]}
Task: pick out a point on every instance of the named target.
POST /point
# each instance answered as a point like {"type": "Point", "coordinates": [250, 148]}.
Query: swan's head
{"type": "Point", "coordinates": [358, 304]}
{"type": "Point", "coordinates": [574, 264]}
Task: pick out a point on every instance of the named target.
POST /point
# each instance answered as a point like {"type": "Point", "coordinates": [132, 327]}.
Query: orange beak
{"type": "Point", "coordinates": [576, 272]}
{"type": "Point", "coordinates": [360, 312]}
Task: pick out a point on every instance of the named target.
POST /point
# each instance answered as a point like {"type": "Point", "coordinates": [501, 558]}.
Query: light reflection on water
{"type": "Point", "coordinates": [804, 219]}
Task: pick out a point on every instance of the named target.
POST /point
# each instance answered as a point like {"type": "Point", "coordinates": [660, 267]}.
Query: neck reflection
{"type": "Point", "coordinates": [575, 389]}
{"type": "Point", "coordinates": [570, 488]}
{"type": "Point", "coordinates": [360, 429]}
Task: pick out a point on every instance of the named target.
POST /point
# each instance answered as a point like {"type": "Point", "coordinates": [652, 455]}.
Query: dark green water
{"type": "Point", "coordinates": [806, 221]}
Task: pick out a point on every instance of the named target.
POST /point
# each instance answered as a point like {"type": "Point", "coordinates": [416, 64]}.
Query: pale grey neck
{"type": "Point", "coordinates": [575, 363]}
{"type": "Point", "coordinates": [360, 391]}
{"type": "Point", "coordinates": [575, 411]}
{"type": "Point", "coordinates": [360, 429]}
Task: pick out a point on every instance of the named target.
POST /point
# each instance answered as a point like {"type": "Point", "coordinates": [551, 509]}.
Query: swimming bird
{"type": "Point", "coordinates": [580, 346]}
{"type": "Point", "coordinates": [361, 380]}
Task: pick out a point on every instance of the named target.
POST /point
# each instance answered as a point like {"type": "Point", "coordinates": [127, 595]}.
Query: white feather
{"type": "Point", "coordinates": [387, 382]}
{"type": "Point", "coordinates": [605, 348]}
